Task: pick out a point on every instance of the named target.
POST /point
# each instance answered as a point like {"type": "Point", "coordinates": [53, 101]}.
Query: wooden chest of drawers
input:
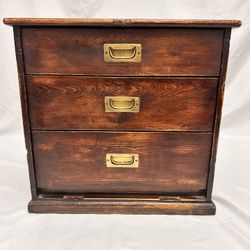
{"type": "Point", "coordinates": [121, 116]}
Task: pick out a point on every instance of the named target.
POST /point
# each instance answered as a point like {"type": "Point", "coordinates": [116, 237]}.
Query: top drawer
{"type": "Point", "coordinates": [164, 52]}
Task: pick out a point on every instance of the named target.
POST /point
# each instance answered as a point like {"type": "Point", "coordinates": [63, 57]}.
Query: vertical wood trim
{"type": "Point", "coordinates": [25, 110]}
{"type": "Point", "coordinates": [219, 103]}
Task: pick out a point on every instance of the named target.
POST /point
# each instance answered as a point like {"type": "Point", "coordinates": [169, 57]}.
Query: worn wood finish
{"type": "Point", "coordinates": [164, 51]}
{"type": "Point", "coordinates": [183, 70]}
{"type": "Point", "coordinates": [25, 109]}
{"type": "Point", "coordinates": [75, 161]}
{"type": "Point", "coordinates": [116, 207]}
{"type": "Point", "coordinates": [107, 22]}
{"type": "Point", "coordinates": [174, 104]}
{"type": "Point", "coordinates": [217, 120]}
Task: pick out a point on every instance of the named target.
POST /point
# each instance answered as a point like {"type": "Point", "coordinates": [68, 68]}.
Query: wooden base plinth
{"type": "Point", "coordinates": [121, 207]}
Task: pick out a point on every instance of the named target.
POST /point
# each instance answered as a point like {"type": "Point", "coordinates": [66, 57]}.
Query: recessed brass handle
{"type": "Point", "coordinates": [122, 104]}
{"type": "Point", "coordinates": [122, 160]}
{"type": "Point", "coordinates": [122, 52]}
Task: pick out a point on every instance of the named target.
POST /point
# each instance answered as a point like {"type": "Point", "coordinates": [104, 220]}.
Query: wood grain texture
{"type": "Point", "coordinates": [71, 164]}
{"type": "Point", "coordinates": [65, 103]}
{"type": "Point", "coordinates": [122, 22]}
{"type": "Point", "coordinates": [219, 103]}
{"type": "Point", "coordinates": [75, 162]}
{"type": "Point", "coordinates": [100, 207]}
{"type": "Point", "coordinates": [183, 52]}
{"type": "Point", "coordinates": [25, 109]}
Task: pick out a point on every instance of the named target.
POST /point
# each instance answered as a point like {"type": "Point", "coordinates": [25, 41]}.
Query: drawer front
{"type": "Point", "coordinates": [77, 162]}
{"type": "Point", "coordinates": [180, 104]}
{"type": "Point", "coordinates": [134, 51]}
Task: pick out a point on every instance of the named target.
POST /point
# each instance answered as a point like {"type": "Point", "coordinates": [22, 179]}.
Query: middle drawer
{"type": "Point", "coordinates": [111, 103]}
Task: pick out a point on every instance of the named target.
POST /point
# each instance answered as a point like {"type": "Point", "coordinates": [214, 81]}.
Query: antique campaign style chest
{"type": "Point", "coordinates": [121, 116]}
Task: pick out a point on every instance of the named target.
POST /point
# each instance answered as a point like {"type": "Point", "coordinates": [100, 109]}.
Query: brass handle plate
{"type": "Point", "coordinates": [122, 104]}
{"type": "Point", "coordinates": [122, 160]}
{"type": "Point", "coordinates": [122, 52]}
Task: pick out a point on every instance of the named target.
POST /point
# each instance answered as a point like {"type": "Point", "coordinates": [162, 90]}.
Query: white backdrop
{"type": "Point", "coordinates": [229, 229]}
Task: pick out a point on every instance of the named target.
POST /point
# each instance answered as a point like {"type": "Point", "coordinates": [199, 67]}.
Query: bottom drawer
{"type": "Point", "coordinates": [80, 162]}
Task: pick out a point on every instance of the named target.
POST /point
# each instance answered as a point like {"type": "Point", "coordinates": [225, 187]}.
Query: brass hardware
{"type": "Point", "coordinates": [122, 160]}
{"type": "Point", "coordinates": [122, 52]}
{"type": "Point", "coordinates": [122, 104]}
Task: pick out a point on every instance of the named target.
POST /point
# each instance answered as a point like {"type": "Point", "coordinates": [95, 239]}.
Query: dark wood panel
{"type": "Point", "coordinates": [219, 103]}
{"type": "Point", "coordinates": [114, 207]}
{"type": "Point", "coordinates": [25, 108]}
{"type": "Point", "coordinates": [122, 22]}
{"type": "Point", "coordinates": [76, 161]}
{"type": "Point", "coordinates": [178, 104]}
{"type": "Point", "coordinates": [164, 51]}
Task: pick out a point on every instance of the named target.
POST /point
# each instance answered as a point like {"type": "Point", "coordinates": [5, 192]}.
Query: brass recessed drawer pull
{"type": "Point", "coordinates": [122, 104]}
{"type": "Point", "coordinates": [122, 160]}
{"type": "Point", "coordinates": [122, 52]}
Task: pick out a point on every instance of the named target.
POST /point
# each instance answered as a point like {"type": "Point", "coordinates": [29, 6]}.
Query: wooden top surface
{"type": "Point", "coordinates": [121, 22]}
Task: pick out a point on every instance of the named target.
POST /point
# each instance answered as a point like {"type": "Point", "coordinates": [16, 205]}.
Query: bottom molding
{"type": "Point", "coordinates": [121, 207]}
